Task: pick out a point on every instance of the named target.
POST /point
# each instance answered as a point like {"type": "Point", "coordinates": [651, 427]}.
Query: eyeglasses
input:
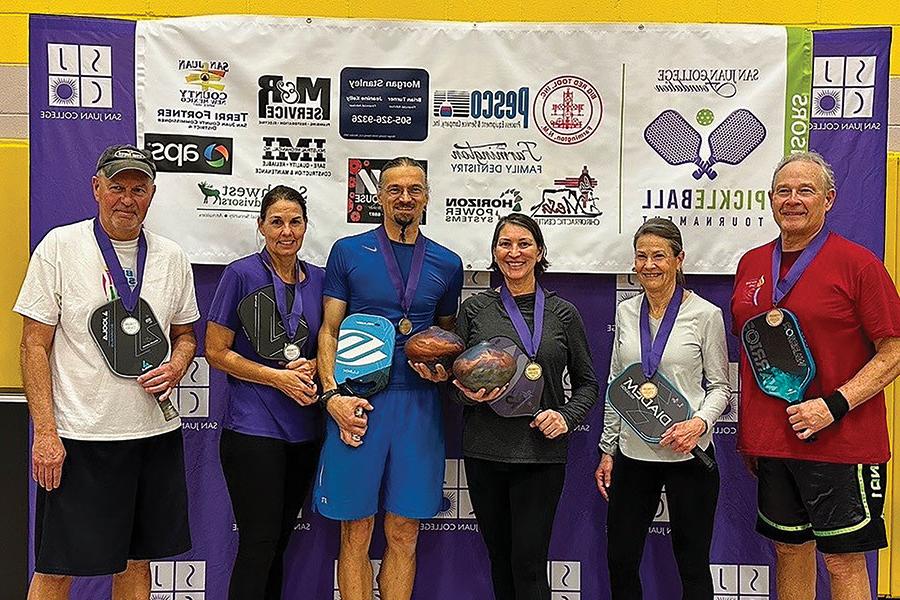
{"type": "Point", "coordinates": [416, 192]}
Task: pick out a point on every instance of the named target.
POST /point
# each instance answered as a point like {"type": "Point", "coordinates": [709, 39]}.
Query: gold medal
{"type": "Point", "coordinates": [648, 390]}
{"type": "Point", "coordinates": [533, 371]}
{"type": "Point", "coordinates": [774, 317]}
{"type": "Point", "coordinates": [404, 326]}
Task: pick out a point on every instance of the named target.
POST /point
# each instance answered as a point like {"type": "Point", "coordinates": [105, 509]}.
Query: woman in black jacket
{"type": "Point", "coordinates": [516, 466]}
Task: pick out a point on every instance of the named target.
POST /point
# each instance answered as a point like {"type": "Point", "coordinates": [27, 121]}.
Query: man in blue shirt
{"type": "Point", "coordinates": [398, 443]}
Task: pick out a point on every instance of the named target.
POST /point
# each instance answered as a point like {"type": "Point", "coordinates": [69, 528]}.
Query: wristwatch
{"type": "Point", "coordinates": [326, 396]}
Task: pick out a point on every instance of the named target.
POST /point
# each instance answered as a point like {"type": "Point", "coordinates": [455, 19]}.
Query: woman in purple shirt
{"type": "Point", "coordinates": [262, 333]}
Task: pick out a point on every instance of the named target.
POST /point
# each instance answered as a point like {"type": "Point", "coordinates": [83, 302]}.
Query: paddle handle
{"type": "Point", "coordinates": [168, 409]}
{"type": "Point", "coordinates": [708, 463]}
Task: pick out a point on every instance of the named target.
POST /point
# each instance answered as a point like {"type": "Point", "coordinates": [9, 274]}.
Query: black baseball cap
{"type": "Point", "coordinates": [124, 157]}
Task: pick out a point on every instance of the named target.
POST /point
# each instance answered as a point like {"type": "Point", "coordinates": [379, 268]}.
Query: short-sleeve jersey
{"type": "Point", "coordinates": [844, 302]}
{"type": "Point", "coordinates": [253, 408]}
{"type": "Point", "coordinates": [356, 273]}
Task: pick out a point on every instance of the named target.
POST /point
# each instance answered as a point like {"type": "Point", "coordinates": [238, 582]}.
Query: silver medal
{"type": "Point", "coordinates": [130, 325]}
{"type": "Point", "coordinates": [291, 351]}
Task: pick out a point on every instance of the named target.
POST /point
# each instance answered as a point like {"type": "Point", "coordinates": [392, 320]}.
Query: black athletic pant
{"type": "Point", "coordinates": [515, 505]}
{"type": "Point", "coordinates": [267, 480]}
{"type": "Point", "coordinates": [691, 492]}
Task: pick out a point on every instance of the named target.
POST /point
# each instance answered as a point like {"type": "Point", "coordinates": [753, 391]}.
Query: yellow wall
{"type": "Point", "coordinates": [818, 13]}
{"type": "Point", "coordinates": [889, 559]}
{"type": "Point", "coordinates": [14, 236]}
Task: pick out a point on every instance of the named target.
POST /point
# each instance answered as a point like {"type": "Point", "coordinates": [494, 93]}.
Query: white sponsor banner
{"type": "Point", "coordinates": [588, 128]}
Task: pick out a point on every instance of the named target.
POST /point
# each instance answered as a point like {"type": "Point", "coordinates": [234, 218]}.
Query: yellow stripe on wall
{"type": "Point", "coordinates": [812, 13]}
{"type": "Point", "coordinates": [14, 30]}
{"type": "Point", "coordinates": [889, 558]}
{"type": "Point", "coordinates": [14, 233]}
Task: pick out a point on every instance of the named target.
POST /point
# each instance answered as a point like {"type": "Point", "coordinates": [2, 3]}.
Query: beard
{"type": "Point", "coordinates": [403, 231]}
{"type": "Point", "coordinates": [404, 222]}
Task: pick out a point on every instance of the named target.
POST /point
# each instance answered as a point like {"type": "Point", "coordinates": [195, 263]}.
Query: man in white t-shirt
{"type": "Point", "coordinates": [109, 465]}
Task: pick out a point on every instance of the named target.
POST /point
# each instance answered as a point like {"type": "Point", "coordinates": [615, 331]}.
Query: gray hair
{"type": "Point", "coordinates": [668, 231]}
{"type": "Point", "coordinates": [810, 156]}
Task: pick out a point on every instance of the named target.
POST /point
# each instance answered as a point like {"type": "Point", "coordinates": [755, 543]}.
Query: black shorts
{"type": "Point", "coordinates": [117, 501]}
{"type": "Point", "coordinates": [839, 506]}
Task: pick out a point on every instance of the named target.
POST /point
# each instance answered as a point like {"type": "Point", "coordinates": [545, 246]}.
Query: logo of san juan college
{"type": "Point", "coordinates": [843, 87]}
{"type": "Point", "coordinates": [192, 394]}
{"type": "Point", "coordinates": [740, 582]}
{"type": "Point", "coordinates": [79, 75]}
{"type": "Point", "coordinates": [178, 580]}
{"type": "Point", "coordinates": [456, 503]}
{"type": "Point", "coordinates": [565, 579]}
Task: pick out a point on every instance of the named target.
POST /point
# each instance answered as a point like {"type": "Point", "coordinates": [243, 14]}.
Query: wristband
{"type": "Point", "coordinates": [837, 405]}
{"type": "Point", "coordinates": [326, 396]}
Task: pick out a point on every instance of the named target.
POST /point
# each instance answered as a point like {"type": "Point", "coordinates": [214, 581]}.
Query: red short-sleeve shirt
{"type": "Point", "coordinates": [845, 301]}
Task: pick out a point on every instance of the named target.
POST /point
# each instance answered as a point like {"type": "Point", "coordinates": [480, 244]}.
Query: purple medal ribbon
{"type": "Point", "coordinates": [407, 292]}
{"type": "Point", "coordinates": [128, 296]}
{"type": "Point", "coordinates": [652, 352]}
{"type": "Point", "coordinates": [530, 340]}
{"type": "Point", "coordinates": [781, 287]}
{"type": "Point", "coordinates": [289, 318]}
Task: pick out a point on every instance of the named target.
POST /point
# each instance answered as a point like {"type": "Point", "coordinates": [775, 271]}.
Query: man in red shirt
{"type": "Point", "coordinates": [827, 493]}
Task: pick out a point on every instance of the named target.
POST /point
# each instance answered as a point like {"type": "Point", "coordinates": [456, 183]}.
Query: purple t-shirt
{"type": "Point", "coordinates": [253, 408]}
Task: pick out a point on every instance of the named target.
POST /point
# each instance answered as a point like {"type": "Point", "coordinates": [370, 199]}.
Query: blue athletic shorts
{"type": "Point", "coordinates": [402, 456]}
